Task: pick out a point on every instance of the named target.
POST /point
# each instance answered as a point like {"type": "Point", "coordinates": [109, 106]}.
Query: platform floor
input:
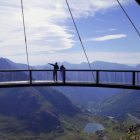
{"type": "Point", "coordinates": [59, 81]}
{"type": "Point", "coordinates": [68, 83]}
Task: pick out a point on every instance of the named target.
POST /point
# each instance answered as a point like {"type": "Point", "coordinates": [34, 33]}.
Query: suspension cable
{"type": "Point", "coordinates": [25, 34]}
{"type": "Point", "coordinates": [128, 17]}
{"type": "Point", "coordinates": [80, 38]}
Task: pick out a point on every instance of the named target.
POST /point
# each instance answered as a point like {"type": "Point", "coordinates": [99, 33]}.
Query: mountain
{"type": "Point", "coordinates": [133, 117]}
{"type": "Point", "coordinates": [122, 103]}
{"type": "Point", "coordinates": [101, 65]}
{"type": "Point", "coordinates": [97, 65]}
{"type": "Point", "coordinates": [84, 95]}
{"type": "Point", "coordinates": [42, 108]}
{"type": "Point", "coordinates": [137, 67]}
{"type": "Point", "coordinates": [132, 133]}
{"type": "Point", "coordinates": [136, 113]}
{"type": "Point", "coordinates": [4, 65]}
{"type": "Point", "coordinates": [17, 65]}
{"type": "Point", "coordinates": [109, 66]}
{"type": "Point", "coordinates": [80, 95]}
{"type": "Point", "coordinates": [45, 113]}
{"type": "Point", "coordinates": [11, 76]}
{"type": "Point", "coordinates": [47, 67]}
{"type": "Point", "coordinates": [43, 67]}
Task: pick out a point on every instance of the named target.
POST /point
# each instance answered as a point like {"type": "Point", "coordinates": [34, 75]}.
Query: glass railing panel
{"type": "Point", "coordinates": [16, 77]}
{"type": "Point", "coordinates": [108, 77]}
{"type": "Point", "coordinates": [80, 76]}
{"type": "Point", "coordinates": [46, 76]}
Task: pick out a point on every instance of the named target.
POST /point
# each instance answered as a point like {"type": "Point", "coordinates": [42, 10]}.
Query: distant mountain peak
{"type": "Point", "coordinates": [41, 106]}
{"type": "Point", "coordinates": [4, 65]}
{"type": "Point", "coordinates": [84, 65]}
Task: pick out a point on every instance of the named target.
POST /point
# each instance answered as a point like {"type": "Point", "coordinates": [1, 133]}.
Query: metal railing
{"type": "Point", "coordinates": [108, 78]}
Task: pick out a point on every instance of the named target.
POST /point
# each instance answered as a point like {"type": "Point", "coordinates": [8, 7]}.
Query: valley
{"type": "Point", "coordinates": [69, 70]}
{"type": "Point", "coordinates": [61, 113]}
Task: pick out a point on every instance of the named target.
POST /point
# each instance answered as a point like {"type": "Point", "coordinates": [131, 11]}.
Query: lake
{"type": "Point", "coordinates": [93, 127]}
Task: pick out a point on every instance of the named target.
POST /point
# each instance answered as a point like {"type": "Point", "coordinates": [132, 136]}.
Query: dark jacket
{"type": "Point", "coordinates": [62, 68]}
{"type": "Point", "coordinates": [55, 66]}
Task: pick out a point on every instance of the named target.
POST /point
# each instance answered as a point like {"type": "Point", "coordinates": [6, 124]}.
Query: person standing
{"type": "Point", "coordinates": [62, 68]}
{"type": "Point", "coordinates": [56, 67]}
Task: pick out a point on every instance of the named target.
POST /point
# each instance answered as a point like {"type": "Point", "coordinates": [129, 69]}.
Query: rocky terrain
{"type": "Point", "coordinates": [133, 133]}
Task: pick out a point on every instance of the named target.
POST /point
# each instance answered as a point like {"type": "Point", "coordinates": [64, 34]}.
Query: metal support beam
{"type": "Point", "coordinates": [97, 77]}
{"type": "Point", "coordinates": [133, 78]}
{"type": "Point", "coordinates": [30, 76]}
{"type": "Point", "coordinates": [64, 78]}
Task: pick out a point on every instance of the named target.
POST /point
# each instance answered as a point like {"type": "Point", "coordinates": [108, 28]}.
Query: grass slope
{"type": "Point", "coordinates": [40, 113]}
{"type": "Point", "coordinates": [113, 129]}
{"type": "Point", "coordinates": [120, 104]}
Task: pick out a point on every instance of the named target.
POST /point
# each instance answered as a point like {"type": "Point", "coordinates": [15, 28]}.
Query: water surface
{"type": "Point", "coordinates": [93, 127]}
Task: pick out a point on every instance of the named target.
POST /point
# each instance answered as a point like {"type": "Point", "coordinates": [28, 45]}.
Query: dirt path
{"type": "Point", "coordinates": [88, 137]}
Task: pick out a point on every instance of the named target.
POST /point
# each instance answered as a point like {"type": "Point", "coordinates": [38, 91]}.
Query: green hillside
{"type": "Point", "coordinates": [84, 95]}
{"type": "Point", "coordinates": [136, 113]}
{"type": "Point", "coordinates": [120, 104]}
{"type": "Point", "coordinates": [132, 133]}
{"type": "Point", "coordinates": [35, 113]}
{"type": "Point", "coordinates": [4, 65]}
{"type": "Point", "coordinates": [113, 129]}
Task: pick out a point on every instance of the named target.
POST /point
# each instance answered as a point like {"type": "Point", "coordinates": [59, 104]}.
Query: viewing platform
{"type": "Point", "coordinates": [82, 78]}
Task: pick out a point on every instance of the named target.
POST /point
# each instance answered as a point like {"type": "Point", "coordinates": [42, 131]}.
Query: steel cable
{"type": "Point", "coordinates": [128, 17]}
{"type": "Point", "coordinates": [25, 34]}
{"type": "Point", "coordinates": [80, 38]}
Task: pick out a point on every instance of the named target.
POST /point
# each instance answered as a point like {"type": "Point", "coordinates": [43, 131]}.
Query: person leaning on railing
{"type": "Point", "coordinates": [62, 68]}
{"type": "Point", "coordinates": [56, 67]}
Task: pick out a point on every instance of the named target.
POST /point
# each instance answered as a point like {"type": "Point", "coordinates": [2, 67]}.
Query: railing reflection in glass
{"type": "Point", "coordinates": [14, 76]}
{"type": "Point", "coordinates": [80, 76]}
{"type": "Point", "coordinates": [114, 77]}
{"type": "Point", "coordinates": [46, 76]}
{"type": "Point", "coordinates": [138, 78]}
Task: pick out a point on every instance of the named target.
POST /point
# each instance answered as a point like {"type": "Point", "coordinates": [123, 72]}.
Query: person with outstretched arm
{"type": "Point", "coordinates": [62, 68]}
{"type": "Point", "coordinates": [56, 67]}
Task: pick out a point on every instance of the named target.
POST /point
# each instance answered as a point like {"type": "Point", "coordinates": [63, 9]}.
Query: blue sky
{"type": "Point", "coordinates": [105, 30]}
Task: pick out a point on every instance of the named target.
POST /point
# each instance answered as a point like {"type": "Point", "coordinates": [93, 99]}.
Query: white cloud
{"type": "Point", "coordinates": [106, 30]}
{"type": "Point", "coordinates": [87, 8]}
{"type": "Point", "coordinates": [112, 29]}
{"type": "Point", "coordinates": [45, 24]}
{"type": "Point", "coordinates": [108, 37]}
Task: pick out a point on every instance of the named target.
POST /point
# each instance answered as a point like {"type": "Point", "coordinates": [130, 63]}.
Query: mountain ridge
{"type": "Point", "coordinates": [75, 94]}
{"type": "Point", "coordinates": [83, 65]}
{"type": "Point", "coordinates": [119, 104]}
{"type": "Point", "coordinates": [41, 107]}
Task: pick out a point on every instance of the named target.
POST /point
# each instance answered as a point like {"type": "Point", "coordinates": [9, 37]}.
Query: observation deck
{"type": "Point", "coordinates": [82, 78]}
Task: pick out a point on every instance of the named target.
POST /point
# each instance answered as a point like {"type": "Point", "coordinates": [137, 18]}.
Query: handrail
{"type": "Point", "coordinates": [128, 79]}
{"type": "Point", "coordinates": [12, 70]}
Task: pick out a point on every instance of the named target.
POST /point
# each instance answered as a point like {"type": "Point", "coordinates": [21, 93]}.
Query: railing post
{"type": "Point", "coordinates": [97, 77]}
{"type": "Point", "coordinates": [30, 77]}
{"type": "Point", "coordinates": [56, 74]}
{"type": "Point", "coordinates": [64, 76]}
{"type": "Point", "coordinates": [133, 78]}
